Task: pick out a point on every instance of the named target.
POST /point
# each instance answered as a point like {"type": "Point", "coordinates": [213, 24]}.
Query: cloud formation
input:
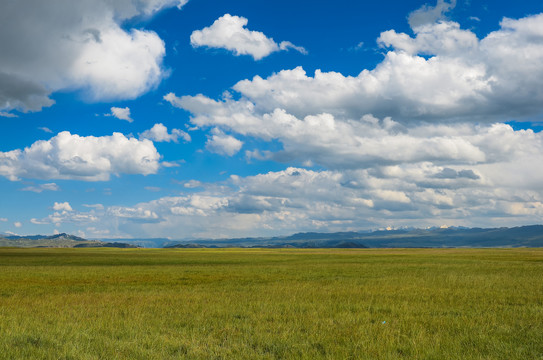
{"type": "Point", "coordinates": [417, 141]}
{"type": "Point", "coordinates": [223, 144]}
{"type": "Point", "coordinates": [121, 113]}
{"type": "Point", "coordinates": [229, 32]}
{"type": "Point", "coordinates": [61, 44]}
{"type": "Point", "coordinates": [443, 73]}
{"type": "Point", "coordinates": [159, 133]}
{"type": "Point", "coordinates": [65, 206]}
{"type": "Point", "coordinates": [430, 14]}
{"type": "Point", "coordinates": [42, 188]}
{"type": "Point", "coordinates": [341, 144]}
{"type": "Point", "coordinates": [74, 157]}
{"type": "Point", "coordinates": [298, 199]}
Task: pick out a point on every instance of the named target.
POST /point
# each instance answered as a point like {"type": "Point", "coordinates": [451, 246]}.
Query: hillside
{"type": "Point", "coordinates": [55, 241]}
{"type": "Point", "coordinates": [524, 236]}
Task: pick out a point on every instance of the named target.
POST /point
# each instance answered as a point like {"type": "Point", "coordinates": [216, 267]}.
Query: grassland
{"type": "Point", "coordinates": [271, 304]}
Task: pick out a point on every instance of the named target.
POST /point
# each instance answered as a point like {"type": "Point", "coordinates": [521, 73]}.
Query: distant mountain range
{"type": "Point", "coordinates": [524, 236]}
{"type": "Point", "coordinates": [57, 241]}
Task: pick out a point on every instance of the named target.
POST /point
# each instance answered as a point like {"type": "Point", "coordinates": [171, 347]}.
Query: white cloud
{"type": "Point", "coordinates": [121, 65]}
{"type": "Point", "coordinates": [17, 224]}
{"type": "Point", "coordinates": [170, 164]}
{"type": "Point", "coordinates": [223, 144]}
{"type": "Point", "coordinates": [45, 129]}
{"type": "Point", "coordinates": [64, 213]}
{"type": "Point", "coordinates": [7, 114]}
{"type": "Point", "coordinates": [57, 218]}
{"type": "Point", "coordinates": [68, 156]}
{"type": "Point", "coordinates": [159, 133]}
{"type": "Point", "coordinates": [3, 219]}
{"type": "Point", "coordinates": [42, 187]}
{"type": "Point", "coordinates": [229, 32]}
{"type": "Point", "coordinates": [433, 151]}
{"type": "Point", "coordinates": [38, 222]}
{"type": "Point", "coordinates": [94, 206]}
{"type": "Point", "coordinates": [65, 206]}
{"type": "Point", "coordinates": [191, 184]}
{"type": "Point", "coordinates": [459, 78]}
{"type": "Point", "coordinates": [335, 143]}
{"type": "Point", "coordinates": [296, 199]}
{"type": "Point", "coordinates": [430, 14]}
{"type": "Point", "coordinates": [61, 44]}
{"type": "Point", "coordinates": [134, 214]}
{"type": "Point", "coordinates": [121, 113]}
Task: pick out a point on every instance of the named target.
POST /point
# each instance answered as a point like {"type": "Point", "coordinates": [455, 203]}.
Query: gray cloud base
{"type": "Point", "coordinates": [60, 44]}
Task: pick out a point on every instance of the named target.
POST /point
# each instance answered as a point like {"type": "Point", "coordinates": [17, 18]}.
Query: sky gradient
{"type": "Point", "coordinates": [188, 119]}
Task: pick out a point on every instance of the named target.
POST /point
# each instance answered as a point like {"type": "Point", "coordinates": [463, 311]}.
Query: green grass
{"type": "Point", "coordinates": [271, 304]}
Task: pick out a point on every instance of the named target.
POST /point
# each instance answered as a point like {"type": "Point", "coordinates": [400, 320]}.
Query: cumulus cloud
{"type": "Point", "coordinates": [408, 110]}
{"type": "Point", "coordinates": [75, 157]}
{"type": "Point", "coordinates": [430, 14]}
{"type": "Point", "coordinates": [121, 113]}
{"type": "Point", "coordinates": [335, 143]}
{"type": "Point", "coordinates": [58, 218]}
{"type": "Point", "coordinates": [442, 73]}
{"type": "Point", "coordinates": [223, 144]}
{"type": "Point", "coordinates": [134, 214]}
{"type": "Point", "coordinates": [416, 141]}
{"type": "Point", "coordinates": [65, 206]}
{"type": "Point", "coordinates": [229, 32]}
{"type": "Point", "coordinates": [61, 44]}
{"type": "Point", "coordinates": [18, 224]}
{"type": "Point", "coordinates": [159, 133]}
{"type": "Point", "coordinates": [297, 199]}
{"type": "Point", "coordinates": [64, 213]}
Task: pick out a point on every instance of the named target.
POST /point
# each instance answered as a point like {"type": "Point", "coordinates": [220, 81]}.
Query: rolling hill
{"type": "Point", "coordinates": [55, 241]}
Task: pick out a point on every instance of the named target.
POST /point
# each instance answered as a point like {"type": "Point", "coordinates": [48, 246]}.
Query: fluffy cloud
{"type": "Point", "coordinates": [416, 141]}
{"type": "Point", "coordinates": [65, 206]}
{"type": "Point", "coordinates": [68, 156]}
{"type": "Point", "coordinates": [229, 32]}
{"type": "Point", "coordinates": [121, 113]}
{"type": "Point", "coordinates": [64, 213]}
{"type": "Point", "coordinates": [223, 144]}
{"type": "Point", "coordinates": [298, 199]}
{"type": "Point", "coordinates": [60, 44]}
{"type": "Point", "coordinates": [430, 14]}
{"type": "Point", "coordinates": [410, 109]}
{"type": "Point", "coordinates": [367, 142]}
{"type": "Point", "coordinates": [159, 133]}
{"type": "Point", "coordinates": [443, 73]}
{"type": "Point", "coordinates": [134, 214]}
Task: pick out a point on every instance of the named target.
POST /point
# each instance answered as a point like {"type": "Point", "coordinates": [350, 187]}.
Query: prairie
{"type": "Point", "coordinates": [271, 303]}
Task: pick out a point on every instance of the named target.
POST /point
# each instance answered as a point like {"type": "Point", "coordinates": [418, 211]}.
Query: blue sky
{"type": "Point", "coordinates": [188, 119]}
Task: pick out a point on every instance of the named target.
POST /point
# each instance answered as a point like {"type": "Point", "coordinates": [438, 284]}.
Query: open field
{"type": "Point", "coordinates": [271, 304]}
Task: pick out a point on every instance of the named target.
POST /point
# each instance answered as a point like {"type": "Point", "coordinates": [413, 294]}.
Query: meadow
{"type": "Point", "coordinates": [271, 304]}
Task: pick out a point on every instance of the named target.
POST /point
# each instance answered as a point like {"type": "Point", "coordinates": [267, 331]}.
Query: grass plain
{"type": "Point", "coordinates": [271, 304]}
